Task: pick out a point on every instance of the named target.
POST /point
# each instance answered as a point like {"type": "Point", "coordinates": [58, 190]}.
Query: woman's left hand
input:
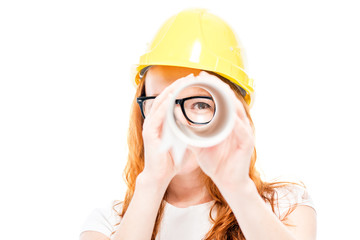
{"type": "Point", "coordinates": [228, 162]}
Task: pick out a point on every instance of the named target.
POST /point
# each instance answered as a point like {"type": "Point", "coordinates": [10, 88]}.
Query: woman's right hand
{"type": "Point", "coordinates": [159, 165]}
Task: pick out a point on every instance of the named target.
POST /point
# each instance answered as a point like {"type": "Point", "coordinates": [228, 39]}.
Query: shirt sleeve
{"type": "Point", "coordinates": [291, 196]}
{"type": "Point", "coordinates": [102, 220]}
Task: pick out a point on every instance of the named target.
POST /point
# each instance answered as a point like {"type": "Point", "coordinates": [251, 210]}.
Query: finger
{"type": "Point", "coordinates": [242, 132]}
{"type": "Point", "coordinates": [156, 118]}
{"type": "Point", "coordinates": [240, 110]}
{"type": "Point", "coordinates": [157, 114]}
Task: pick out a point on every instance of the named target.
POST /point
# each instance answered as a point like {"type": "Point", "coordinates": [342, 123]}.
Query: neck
{"type": "Point", "coordinates": [187, 190]}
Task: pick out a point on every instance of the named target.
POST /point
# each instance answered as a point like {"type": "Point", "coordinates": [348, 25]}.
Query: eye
{"type": "Point", "coordinates": [201, 105]}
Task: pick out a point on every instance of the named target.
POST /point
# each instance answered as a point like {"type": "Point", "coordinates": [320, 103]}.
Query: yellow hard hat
{"type": "Point", "coordinates": [195, 38]}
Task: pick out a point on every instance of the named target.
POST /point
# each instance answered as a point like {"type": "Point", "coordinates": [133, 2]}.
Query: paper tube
{"type": "Point", "coordinates": [177, 136]}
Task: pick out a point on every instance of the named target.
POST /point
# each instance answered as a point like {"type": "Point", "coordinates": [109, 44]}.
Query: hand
{"type": "Point", "coordinates": [160, 165]}
{"type": "Point", "coordinates": [228, 162]}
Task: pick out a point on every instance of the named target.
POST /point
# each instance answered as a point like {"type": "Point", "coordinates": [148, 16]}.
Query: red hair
{"type": "Point", "coordinates": [225, 225]}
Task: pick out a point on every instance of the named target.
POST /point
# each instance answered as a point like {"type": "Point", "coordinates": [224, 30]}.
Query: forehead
{"type": "Point", "coordinates": [159, 77]}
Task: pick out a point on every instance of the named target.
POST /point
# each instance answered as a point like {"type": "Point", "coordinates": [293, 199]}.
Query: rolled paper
{"type": "Point", "coordinates": [177, 137]}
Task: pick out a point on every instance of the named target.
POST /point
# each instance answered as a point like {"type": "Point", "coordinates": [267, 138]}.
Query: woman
{"type": "Point", "coordinates": [216, 192]}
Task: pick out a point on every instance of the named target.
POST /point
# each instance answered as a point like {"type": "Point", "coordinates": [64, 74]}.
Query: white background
{"type": "Point", "coordinates": [65, 93]}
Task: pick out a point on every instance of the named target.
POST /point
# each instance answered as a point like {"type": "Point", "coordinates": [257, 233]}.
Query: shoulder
{"type": "Point", "coordinates": [288, 197]}
{"type": "Point", "coordinates": [103, 219]}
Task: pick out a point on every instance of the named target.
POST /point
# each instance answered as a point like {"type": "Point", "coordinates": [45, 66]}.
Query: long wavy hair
{"type": "Point", "coordinates": [225, 225]}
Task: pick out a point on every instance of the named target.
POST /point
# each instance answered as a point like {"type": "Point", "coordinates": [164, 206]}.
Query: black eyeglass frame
{"type": "Point", "coordinates": [180, 101]}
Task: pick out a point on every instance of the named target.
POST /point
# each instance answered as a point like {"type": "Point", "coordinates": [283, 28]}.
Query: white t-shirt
{"type": "Point", "coordinates": [191, 223]}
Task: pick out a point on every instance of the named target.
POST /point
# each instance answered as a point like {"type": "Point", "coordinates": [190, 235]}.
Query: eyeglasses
{"type": "Point", "coordinates": [196, 109]}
